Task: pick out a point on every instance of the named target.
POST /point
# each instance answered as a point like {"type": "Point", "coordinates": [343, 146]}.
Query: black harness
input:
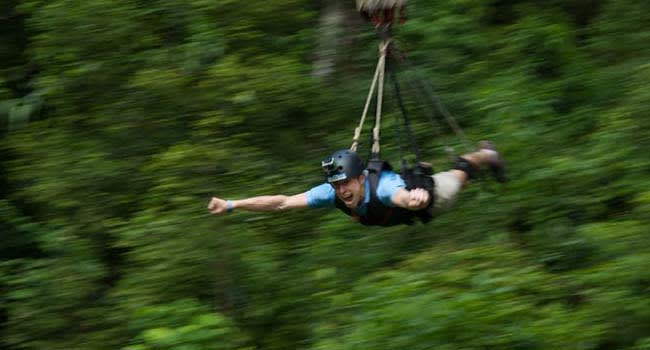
{"type": "Point", "coordinates": [377, 214]}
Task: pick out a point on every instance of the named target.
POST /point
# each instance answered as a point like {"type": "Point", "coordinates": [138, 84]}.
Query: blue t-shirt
{"type": "Point", "coordinates": [323, 196]}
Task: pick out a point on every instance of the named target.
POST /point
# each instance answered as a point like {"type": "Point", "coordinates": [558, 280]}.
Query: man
{"type": "Point", "coordinates": [384, 201]}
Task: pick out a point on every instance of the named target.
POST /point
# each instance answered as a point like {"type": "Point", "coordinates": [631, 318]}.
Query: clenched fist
{"type": "Point", "coordinates": [218, 206]}
{"type": "Point", "coordinates": [418, 198]}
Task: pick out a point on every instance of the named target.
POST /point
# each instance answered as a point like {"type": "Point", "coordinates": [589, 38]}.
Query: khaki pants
{"type": "Point", "coordinates": [447, 187]}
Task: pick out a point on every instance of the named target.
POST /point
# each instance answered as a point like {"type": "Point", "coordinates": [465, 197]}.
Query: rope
{"type": "Point", "coordinates": [357, 130]}
{"type": "Point", "coordinates": [380, 96]}
{"type": "Point", "coordinates": [424, 92]}
{"type": "Point", "coordinates": [377, 78]}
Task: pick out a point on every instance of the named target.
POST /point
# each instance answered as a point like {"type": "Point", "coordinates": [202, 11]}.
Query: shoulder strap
{"type": "Point", "coordinates": [377, 213]}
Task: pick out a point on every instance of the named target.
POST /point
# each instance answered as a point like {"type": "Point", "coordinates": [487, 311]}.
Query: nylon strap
{"type": "Point", "coordinates": [426, 88]}
{"type": "Point", "coordinates": [405, 116]}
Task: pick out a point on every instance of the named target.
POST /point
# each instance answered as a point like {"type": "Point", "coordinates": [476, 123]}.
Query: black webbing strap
{"type": "Point", "coordinates": [405, 115]}
{"type": "Point", "coordinates": [426, 94]}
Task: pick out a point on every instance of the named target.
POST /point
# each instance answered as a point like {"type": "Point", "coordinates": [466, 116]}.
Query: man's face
{"type": "Point", "coordinates": [350, 191]}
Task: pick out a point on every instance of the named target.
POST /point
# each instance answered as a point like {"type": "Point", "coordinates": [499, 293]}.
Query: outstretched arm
{"type": "Point", "coordinates": [262, 203]}
{"type": "Point", "coordinates": [412, 200]}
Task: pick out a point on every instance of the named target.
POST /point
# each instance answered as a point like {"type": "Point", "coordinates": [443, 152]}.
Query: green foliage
{"type": "Point", "coordinates": [51, 302]}
{"type": "Point", "coordinates": [484, 297]}
{"type": "Point", "coordinates": [120, 119]}
{"type": "Point", "coordinates": [183, 325]}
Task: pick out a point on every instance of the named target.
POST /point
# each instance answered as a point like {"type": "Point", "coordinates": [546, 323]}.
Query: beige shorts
{"type": "Point", "coordinates": [447, 187]}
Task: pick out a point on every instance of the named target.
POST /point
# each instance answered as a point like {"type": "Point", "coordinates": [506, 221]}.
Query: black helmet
{"type": "Point", "coordinates": [343, 164]}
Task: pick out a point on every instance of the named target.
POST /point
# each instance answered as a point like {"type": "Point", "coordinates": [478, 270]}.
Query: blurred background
{"type": "Point", "coordinates": [120, 119]}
